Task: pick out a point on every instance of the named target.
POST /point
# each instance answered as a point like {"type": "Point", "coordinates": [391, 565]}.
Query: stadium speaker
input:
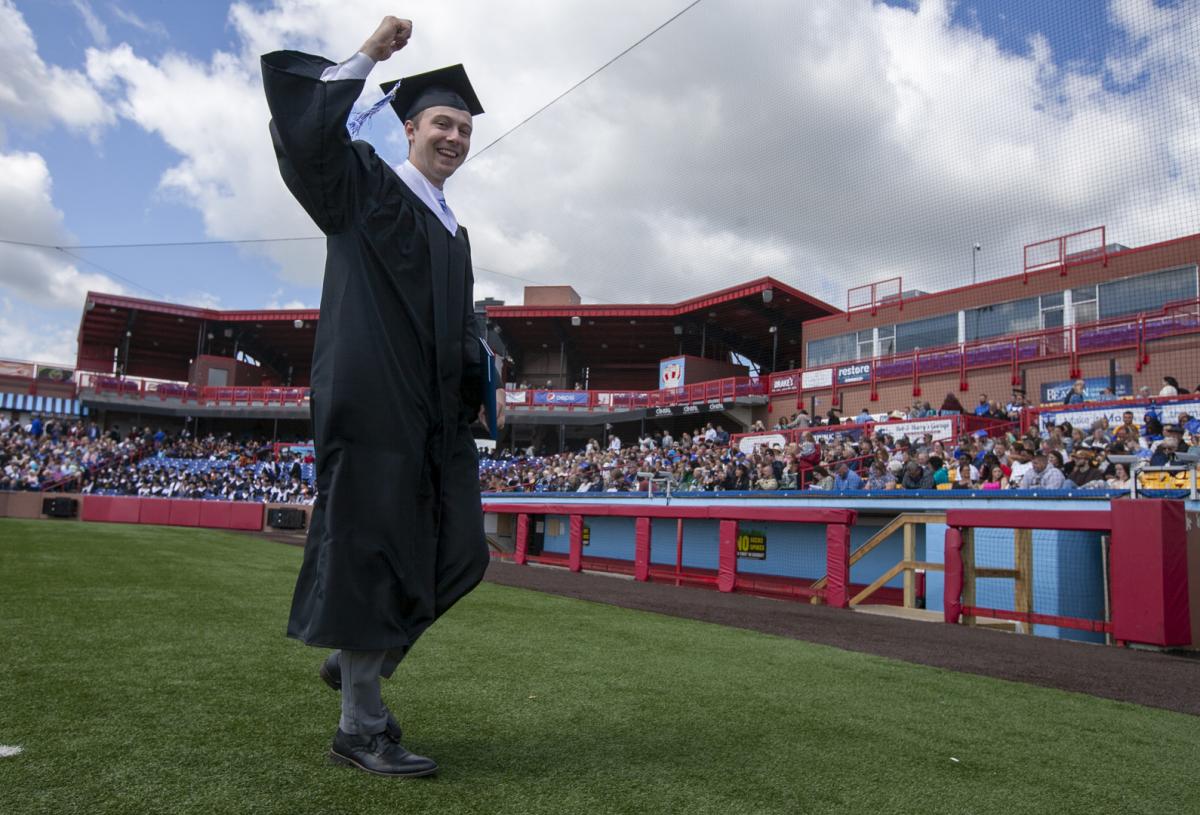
{"type": "Point", "coordinates": [60, 507]}
{"type": "Point", "coordinates": [285, 518]}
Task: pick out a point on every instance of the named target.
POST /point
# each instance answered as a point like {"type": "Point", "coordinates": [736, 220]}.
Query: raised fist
{"type": "Point", "coordinates": [391, 35]}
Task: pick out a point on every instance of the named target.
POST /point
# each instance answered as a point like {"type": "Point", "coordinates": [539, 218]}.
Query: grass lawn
{"type": "Point", "coordinates": [144, 669]}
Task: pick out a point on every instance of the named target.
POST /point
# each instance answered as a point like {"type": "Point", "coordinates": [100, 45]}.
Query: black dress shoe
{"type": "Point", "coordinates": [331, 671]}
{"type": "Point", "coordinates": [331, 674]}
{"type": "Point", "coordinates": [379, 754]}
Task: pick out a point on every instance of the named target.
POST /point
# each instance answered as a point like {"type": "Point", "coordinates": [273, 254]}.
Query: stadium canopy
{"type": "Point", "coordinates": [737, 319]}
{"type": "Point", "coordinates": [145, 338]}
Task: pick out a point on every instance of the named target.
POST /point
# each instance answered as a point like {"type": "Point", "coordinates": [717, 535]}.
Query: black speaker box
{"type": "Point", "coordinates": [285, 518]}
{"type": "Point", "coordinates": [60, 507]}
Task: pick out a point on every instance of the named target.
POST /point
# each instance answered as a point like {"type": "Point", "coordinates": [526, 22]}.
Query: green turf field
{"type": "Point", "coordinates": [145, 670]}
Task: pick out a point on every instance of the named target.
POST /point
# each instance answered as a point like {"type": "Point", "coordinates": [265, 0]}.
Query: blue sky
{"type": "Point", "coordinates": [106, 178]}
{"type": "Point", "coordinates": [127, 162]}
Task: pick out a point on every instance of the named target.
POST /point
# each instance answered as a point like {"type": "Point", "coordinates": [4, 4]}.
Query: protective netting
{"type": "Point", "coordinates": [1057, 577]}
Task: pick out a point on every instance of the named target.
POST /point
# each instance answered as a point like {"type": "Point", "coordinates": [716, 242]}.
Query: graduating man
{"type": "Point", "coordinates": [396, 535]}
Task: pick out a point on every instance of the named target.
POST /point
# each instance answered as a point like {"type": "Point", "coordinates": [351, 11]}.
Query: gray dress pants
{"type": "Point", "coordinates": [363, 710]}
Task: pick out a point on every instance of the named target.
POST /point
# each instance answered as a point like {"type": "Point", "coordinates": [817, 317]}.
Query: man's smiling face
{"type": "Point", "coordinates": [438, 141]}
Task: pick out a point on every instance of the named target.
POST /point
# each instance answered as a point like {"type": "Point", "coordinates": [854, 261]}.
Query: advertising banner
{"type": "Point", "coordinates": [746, 444]}
{"type": "Point", "coordinates": [854, 373]}
{"type": "Point", "coordinates": [820, 378]}
{"type": "Point", "coordinates": [564, 398]}
{"type": "Point", "coordinates": [16, 369]}
{"type": "Point", "coordinates": [783, 383]}
{"type": "Point", "coordinates": [54, 373]}
{"type": "Point", "coordinates": [686, 410]}
{"type": "Point", "coordinates": [841, 432]}
{"type": "Point", "coordinates": [942, 428]}
{"type": "Point", "coordinates": [1084, 417]}
{"type": "Point", "coordinates": [516, 397]}
{"type": "Point", "coordinates": [1056, 392]}
{"type": "Point", "coordinates": [671, 373]}
{"type": "Point", "coordinates": [752, 544]}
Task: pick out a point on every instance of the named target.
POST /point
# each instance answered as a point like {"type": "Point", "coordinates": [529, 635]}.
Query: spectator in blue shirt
{"type": "Point", "coordinates": [1189, 424]}
{"type": "Point", "coordinates": [846, 479]}
{"type": "Point", "coordinates": [1077, 394]}
{"type": "Point", "coordinates": [983, 407]}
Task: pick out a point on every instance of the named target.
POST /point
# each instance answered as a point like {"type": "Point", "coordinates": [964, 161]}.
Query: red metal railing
{"type": "Point", "coordinates": [879, 293]}
{"type": "Point", "coordinates": [1066, 250]}
{"type": "Point", "coordinates": [1068, 342]}
{"type": "Point", "coordinates": [135, 387]}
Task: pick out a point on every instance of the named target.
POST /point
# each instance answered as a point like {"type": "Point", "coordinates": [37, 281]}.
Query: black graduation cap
{"type": "Point", "coordinates": [448, 87]}
{"type": "Point", "coordinates": [409, 96]}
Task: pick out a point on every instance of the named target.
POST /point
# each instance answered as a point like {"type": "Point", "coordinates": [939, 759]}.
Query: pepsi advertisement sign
{"type": "Point", "coordinates": [560, 397]}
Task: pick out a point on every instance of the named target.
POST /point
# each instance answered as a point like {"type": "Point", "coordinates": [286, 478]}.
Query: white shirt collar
{"type": "Point", "coordinates": [431, 195]}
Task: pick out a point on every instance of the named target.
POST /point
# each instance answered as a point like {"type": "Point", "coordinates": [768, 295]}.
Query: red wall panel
{"type": "Point", "coordinates": [154, 511]}
{"type": "Point", "coordinates": [1149, 573]}
{"type": "Point", "coordinates": [185, 512]}
{"type": "Point", "coordinates": [215, 514]}
{"type": "Point", "coordinates": [246, 515]}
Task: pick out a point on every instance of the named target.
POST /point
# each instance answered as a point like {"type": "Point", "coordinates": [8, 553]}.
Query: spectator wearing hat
{"type": "Point", "coordinates": [1085, 471]}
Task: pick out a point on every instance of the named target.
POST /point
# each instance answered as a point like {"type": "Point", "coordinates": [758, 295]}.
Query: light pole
{"type": "Point", "coordinates": [974, 254]}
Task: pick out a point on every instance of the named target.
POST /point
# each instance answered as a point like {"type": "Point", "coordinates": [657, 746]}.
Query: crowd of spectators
{"type": "Point", "coordinates": [210, 467]}
{"type": "Point", "coordinates": [54, 454]}
{"type": "Point", "coordinates": [1053, 458]}
{"type": "Point", "coordinates": [46, 454]}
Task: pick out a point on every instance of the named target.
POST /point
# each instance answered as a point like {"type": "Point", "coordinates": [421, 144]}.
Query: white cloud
{"type": "Point", "coordinates": [129, 17]}
{"type": "Point", "coordinates": [40, 277]}
{"type": "Point", "coordinates": [277, 302]}
{"type": "Point", "coordinates": [826, 143]}
{"type": "Point", "coordinates": [31, 337]}
{"type": "Point", "coordinates": [94, 25]}
{"type": "Point", "coordinates": [199, 299]}
{"type": "Point", "coordinates": [32, 92]}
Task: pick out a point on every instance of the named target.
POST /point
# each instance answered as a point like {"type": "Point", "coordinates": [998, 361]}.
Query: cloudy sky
{"type": "Point", "coordinates": [827, 143]}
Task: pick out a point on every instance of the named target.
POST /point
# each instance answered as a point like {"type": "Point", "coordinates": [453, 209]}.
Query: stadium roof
{"type": "Point", "coordinates": [164, 337]}
{"type": "Point", "coordinates": [739, 318]}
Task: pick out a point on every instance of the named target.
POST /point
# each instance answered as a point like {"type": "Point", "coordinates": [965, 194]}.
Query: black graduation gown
{"type": "Point", "coordinates": [396, 534]}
